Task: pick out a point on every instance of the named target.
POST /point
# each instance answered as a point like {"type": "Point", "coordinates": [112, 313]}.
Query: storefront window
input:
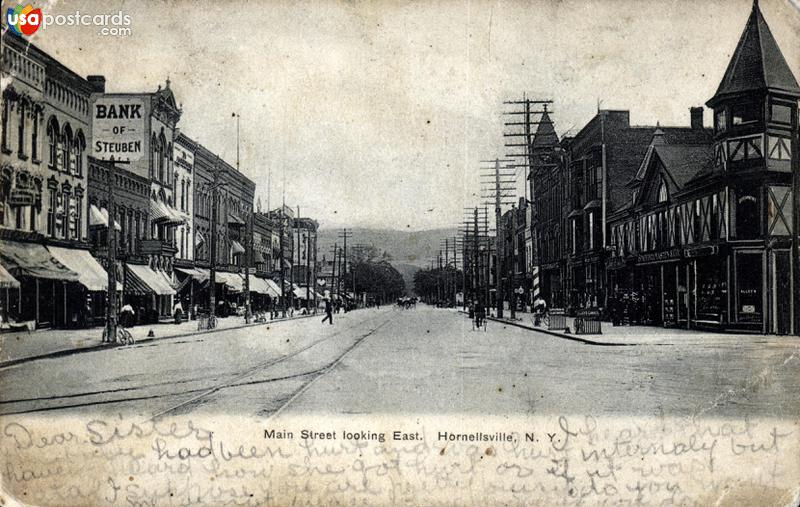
{"type": "Point", "coordinates": [712, 289]}
{"type": "Point", "coordinates": [748, 287]}
{"type": "Point", "coordinates": [747, 216]}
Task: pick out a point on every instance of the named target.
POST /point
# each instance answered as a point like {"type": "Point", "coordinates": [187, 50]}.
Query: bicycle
{"type": "Point", "coordinates": [124, 337]}
{"type": "Point", "coordinates": [541, 319]}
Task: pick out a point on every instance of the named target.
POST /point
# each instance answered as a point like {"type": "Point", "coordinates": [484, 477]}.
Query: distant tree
{"type": "Point", "coordinates": [378, 278]}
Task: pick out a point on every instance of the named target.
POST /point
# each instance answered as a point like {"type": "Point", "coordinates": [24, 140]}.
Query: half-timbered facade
{"type": "Point", "coordinates": [707, 237]}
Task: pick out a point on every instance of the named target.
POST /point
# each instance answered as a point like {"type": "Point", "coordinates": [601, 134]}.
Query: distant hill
{"type": "Point", "coordinates": [409, 250]}
{"type": "Point", "coordinates": [415, 248]}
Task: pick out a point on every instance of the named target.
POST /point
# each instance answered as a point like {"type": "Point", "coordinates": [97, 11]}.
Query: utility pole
{"type": "Point", "coordinates": [212, 288]}
{"type": "Point", "coordinates": [315, 272]}
{"type": "Point", "coordinates": [499, 189]}
{"type": "Point", "coordinates": [513, 268]}
{"type": "Point", "coordinates": [525, 109]}
{"type": "Point", "coordinates": [111, 307]}
{"type": "Point", "coordinates": [282, 218]}
{"type": "Point", "coordinates": [343, 274]}
{"type": "Point", "coordinates": [475, 243]}
{"type": "Point", "coordinates": [248, 255]}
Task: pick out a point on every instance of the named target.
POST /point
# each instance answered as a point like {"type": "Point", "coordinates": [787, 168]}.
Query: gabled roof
{"type": "Point", "coordinates": [757, 63]}
{"type": "Point", "coordinates": [679, 164]}
{"type": "Point", "coordinates": [545, 136]}
{"type": "Point", "coordinates": [683, 162]}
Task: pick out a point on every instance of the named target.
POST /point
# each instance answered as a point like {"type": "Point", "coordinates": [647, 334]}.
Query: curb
{"type": "Point", "coordinates": [565, 336]}
{"type": "Point", "coordinates": [102, 346]}
{"type": "Point", "coordinates": [561, 335]}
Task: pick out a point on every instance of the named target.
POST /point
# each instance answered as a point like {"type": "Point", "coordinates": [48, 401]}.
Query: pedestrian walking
{"type": "Point", "coordinates": [126, 316]}
{"type": "Point", "coordinates": [328, 312]}
{"type": "Point", "coordinates": [177, 312]}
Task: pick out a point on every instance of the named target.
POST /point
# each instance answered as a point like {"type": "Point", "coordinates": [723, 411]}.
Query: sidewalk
{"type": "Point", "coordinates": [644, 335]}
{"type": "Point", "coordinates": [21, 346]}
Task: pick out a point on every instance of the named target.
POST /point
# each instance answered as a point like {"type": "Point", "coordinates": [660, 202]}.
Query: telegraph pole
{"type": "Point", "coordinates": [315, 272]}
{"type": "Point", "coordinates": [212, 290]}
{"type": "Point", "coordinates": [248, 253]}
{"type": "Point", "coordinates": [343, 274]}
{"type": "Point", "coordinates": [111, 308]}
{"type": "Point", "coordinates": [500, 187]}
{"type": "Point", "coordinates": [513, 268]}
{"type": "Point", "coordinates": [281, 217]}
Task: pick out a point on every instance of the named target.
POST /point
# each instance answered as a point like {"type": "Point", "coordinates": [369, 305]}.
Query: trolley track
{"type": "Point", "coordinates": [189, 396]}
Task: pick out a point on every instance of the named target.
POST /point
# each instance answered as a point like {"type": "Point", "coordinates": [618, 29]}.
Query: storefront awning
{"type": "Point", "coordinates": [258, 285]}
{"type": "Point", "coordinates": [234, 220]}
{"type": "Point", "coordinates": [300, 292]}
{"type": "Point", "coordinates": [233, 281]}
{"type": "Point", "coordinates": [156, 282]}
{"type": "Point", "coordinates": [236, 247]}
{"type": "Point", "coordinates": [98, 217]}
{"type": "Point", "coordinates": [34, 260]}
{"type": "Point", "coordinates": [91, 274]}
{"type": "Point", "coordinates": [163, 213]}
{"type": "Point", "coordinates": [6, 280]}
{"type": "Point", "coordinates": [201, 275]}
{"type": "Point", "coordinates": [275, 289]}
{"type": "Point", "coordinates": [594, 203]}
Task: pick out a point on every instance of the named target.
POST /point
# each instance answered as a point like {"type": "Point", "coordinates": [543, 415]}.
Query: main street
{"type": "Point", "coordinates": [421, 361]}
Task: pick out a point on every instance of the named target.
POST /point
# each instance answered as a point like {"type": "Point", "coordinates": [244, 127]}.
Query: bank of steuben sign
{"type": "Point", "coordinates": [118, 128]}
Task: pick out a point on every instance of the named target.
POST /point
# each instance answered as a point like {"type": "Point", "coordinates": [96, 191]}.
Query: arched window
{"type": "Point", "coordinates": [168, 163]}
{"type": "Point", "coordinates": [21, 134]}
{"type": "Point", "coordinates": [161, 156]}
{"type": "Point", "coordinates": [6, 110]}
{"type": "Point", "coordinates": [35, 134]}
{"type": "Point", "coordinates": [78, 148]}
{"type": "Point", "coordinates": [153, 156]}
{"type": "Point", "coordinates": [53, 139]}
{"type": "Point", "coordinates": [67, 154]}
{"type": "Point", "coordinates": [662, 192]}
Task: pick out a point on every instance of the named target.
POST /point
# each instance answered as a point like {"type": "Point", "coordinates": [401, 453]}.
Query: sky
{"type": "Point", "coordinates": [378, 114]}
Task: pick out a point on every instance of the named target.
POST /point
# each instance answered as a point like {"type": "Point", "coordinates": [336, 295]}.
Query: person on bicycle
{"type": "Point", "coordinates": [539, 309]}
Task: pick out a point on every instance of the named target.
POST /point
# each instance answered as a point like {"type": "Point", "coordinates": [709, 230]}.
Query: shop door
{"type": "Point", "coordinates": [782, 293]}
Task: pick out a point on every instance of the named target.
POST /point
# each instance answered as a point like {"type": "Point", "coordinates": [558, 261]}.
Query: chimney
{"type": "Point", "coordinates": [697, 117]}
{"type": "Point", "coordinates": [98, 83]}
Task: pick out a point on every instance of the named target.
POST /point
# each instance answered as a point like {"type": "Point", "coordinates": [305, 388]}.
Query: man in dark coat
{"type": "Point", "coordinates": [328, 311]}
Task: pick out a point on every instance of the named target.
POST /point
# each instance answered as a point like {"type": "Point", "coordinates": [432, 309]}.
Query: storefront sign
{"type": "Point", "coordinates": [701, 251]}
{"type": "Point", "coordinates": [118, 128]}
{"type": "Point", "coordinates": [19, 197]}
{"type": "Point", "coordinates": [665, 255]}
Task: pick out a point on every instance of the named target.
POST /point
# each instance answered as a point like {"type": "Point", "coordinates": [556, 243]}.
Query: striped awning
{"type": "Point", "coordinates": [142, 279]}
{"type": "Point", "coordinates": [164, 213]}
{"type": "Point", "coordinates": [6, 280]}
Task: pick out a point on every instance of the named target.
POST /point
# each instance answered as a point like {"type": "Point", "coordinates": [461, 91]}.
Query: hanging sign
{"type": "Point", "coordinates": [118, 128]}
